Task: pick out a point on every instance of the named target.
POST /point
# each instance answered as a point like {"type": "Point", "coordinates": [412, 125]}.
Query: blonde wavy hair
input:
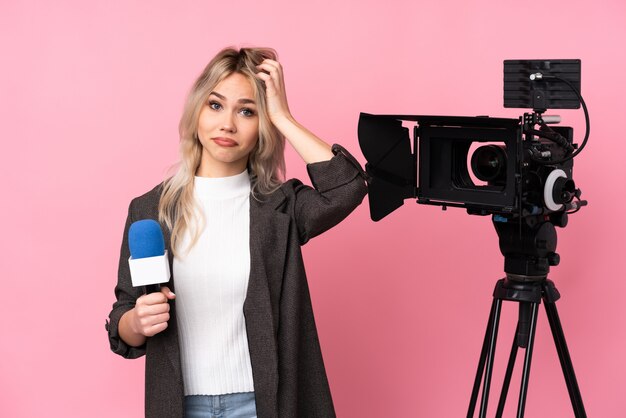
{"type": "Point", "coordinates": [266, 163]}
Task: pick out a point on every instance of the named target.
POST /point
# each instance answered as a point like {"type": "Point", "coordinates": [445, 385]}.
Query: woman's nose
{"type": "Point", "coordinates": [228, 122]}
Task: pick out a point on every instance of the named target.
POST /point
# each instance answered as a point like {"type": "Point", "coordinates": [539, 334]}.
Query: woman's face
{"type": "Point", "coordinates": [228, 127]}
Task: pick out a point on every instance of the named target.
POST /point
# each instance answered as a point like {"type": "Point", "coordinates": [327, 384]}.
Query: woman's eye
{"type": "Point", "coordinates": [247, 112]}
{"type": "Point", "coordinates": [215, 105]}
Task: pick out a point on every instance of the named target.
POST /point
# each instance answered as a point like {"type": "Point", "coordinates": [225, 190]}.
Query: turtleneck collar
{"type": "Point", "coordinates": [216, 188]}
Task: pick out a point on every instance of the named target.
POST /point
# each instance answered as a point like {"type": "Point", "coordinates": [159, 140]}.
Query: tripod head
{"type": "Point", "coordinates": [529, 245]}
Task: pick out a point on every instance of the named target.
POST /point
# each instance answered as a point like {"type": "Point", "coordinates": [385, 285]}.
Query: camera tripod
{"type": "Point", "coordinates": [528, 248]}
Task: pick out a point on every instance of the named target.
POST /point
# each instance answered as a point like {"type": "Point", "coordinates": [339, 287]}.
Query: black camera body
{"type": "Point", "coordinates": [514, 168]}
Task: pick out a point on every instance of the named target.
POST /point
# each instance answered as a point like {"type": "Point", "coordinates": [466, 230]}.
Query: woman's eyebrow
{"type": "Point", "coordinates": [244, 100]}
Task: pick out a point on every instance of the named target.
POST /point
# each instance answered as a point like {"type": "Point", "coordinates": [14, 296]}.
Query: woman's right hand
{"type": "Point", "coordinates": [147, 318]}
{"type": "Point", "coordinates": [152, 312]}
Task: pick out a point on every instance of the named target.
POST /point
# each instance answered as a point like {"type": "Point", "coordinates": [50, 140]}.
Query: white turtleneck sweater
{"type": "Point", "coordinates": [211, 284]}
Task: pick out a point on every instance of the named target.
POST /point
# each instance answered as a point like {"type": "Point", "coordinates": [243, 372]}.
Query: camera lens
{"type": "Point", "coordinates": [489, 163]}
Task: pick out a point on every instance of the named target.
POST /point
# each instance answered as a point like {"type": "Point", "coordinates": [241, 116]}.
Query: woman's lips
{"type": "Point", "coordinates": [225, 142]}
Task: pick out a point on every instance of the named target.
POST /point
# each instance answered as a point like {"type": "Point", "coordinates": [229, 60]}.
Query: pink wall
{"type": "Point", "coordinates": [91, 95]}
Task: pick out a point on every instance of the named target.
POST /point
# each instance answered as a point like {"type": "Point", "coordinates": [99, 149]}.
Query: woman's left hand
{"type": "Point", "coordinates": [277, 107]}
{"type": "Point", "coordinates": [310, 147]}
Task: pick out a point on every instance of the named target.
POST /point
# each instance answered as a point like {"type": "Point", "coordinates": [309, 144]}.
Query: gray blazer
{"type": "Point", "coordinates": [287, 366]}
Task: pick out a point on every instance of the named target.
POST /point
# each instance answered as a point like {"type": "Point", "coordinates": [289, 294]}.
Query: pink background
{"type": "Point", "coordinates": [91, 93]}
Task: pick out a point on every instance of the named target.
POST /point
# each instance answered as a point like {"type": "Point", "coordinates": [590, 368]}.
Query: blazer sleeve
{"type": "Point", "coordinates": [126, 295]}
{"type": "Point", "coordinates": [338, 188]}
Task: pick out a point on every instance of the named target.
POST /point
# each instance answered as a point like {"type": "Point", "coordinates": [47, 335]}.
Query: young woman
{"type": "Point", "coordinates": [238, 336]}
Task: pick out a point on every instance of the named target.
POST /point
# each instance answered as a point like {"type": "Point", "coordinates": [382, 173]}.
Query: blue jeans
{"type": "Point", "coordinates": [232, 405]}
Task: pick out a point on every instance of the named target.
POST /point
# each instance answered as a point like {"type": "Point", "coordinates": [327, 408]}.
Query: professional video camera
{"type": "Point", "coordinates": [517, 170]}
{"type": "Point", "coordinates": [521, 170]}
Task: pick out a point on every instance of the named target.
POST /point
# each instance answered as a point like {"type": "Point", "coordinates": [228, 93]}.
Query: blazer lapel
{"type": "Point", "coordinates": [269, 229]}
{"type": "Point", "coordinates": [171, 344]}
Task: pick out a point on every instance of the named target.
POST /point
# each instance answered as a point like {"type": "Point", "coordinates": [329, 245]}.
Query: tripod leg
{"type": "Point", "coordinates": [490, 357]}
{"type": "Point", "coordinates": [520, 340]}
{"type": "Point", "coordinates": [481, 362]}
{"type": "Point", "coordinates": [566, 361]}
{"type": "Point", "coordinates": [527, 360]}
{"type": "Point", "coordinates": [507, 376]}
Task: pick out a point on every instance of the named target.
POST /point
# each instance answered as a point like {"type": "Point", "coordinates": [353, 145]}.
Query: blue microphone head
{"type": "Point", "coordinates": [145, 239]}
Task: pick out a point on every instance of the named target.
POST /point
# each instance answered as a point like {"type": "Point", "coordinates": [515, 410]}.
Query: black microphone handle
{"type": "Point", "coordinates": [152, 288]}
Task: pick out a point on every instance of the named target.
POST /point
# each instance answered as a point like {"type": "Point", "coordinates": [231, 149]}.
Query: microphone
{"type": "Point", "coordinates": [149, 264]}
